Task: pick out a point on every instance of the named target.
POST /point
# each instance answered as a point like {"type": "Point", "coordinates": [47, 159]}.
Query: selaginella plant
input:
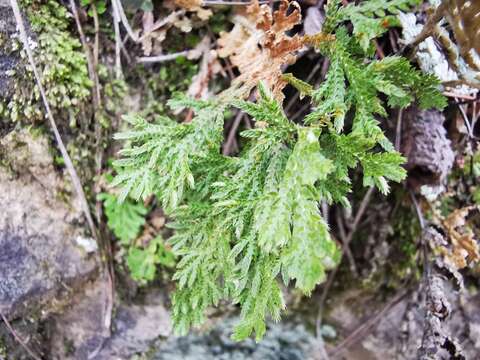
{"type": "Point", "coordinates": [242, 224]}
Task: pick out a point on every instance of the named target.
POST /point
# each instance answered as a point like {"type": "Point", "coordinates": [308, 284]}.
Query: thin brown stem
{"type": "Point", "coordinates": [345, 246]}
{"type": "Point", "coordinates": [18, 338]}
{"type": "Point", "coordinates": [398, 134]}
{"type": "Point", "coordinates": [359, 332]}
{"type": "Point", "coordinates": [90, 59]}
{"type": "Point", "coordinates": [359, 214]}
{"type": "Point", "coordinates": [118, 40]}
{"type": "Point", "coordinates": [227, 148]}
{"type": "Point", "coordinates": [162, 58]}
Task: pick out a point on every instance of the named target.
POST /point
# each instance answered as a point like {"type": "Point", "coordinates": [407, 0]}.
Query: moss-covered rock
{"type": "Point", "coordinates": [59, 58]}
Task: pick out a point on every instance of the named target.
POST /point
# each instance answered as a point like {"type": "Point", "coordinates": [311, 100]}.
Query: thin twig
{"type": "Point", "coordinates": [235, 3]}
{"type": "Point", "coordinates": [300, 111]}
{"type": "Point", "coordinates": [320, 350]}
{"type": "Point", "coordinates": [96, 45]}
{"type": "Point", "coordinates": [162, 58]}
{"type": "Point", "coordinates": [469, 98]}
{"type": "Point", "coordinates": [88, 54]}
{"type": "Point", "coordinates": [66, 157]}
{"type": "Point", "coordinates": [18, 338]}
{"type": "Point", "coordinates": [324, 70]}
{"type": "Point", "coordinates": [118, 40]}
{"type": "Point", "coordinates": [325, 211]}
{"type": "Point", "coordinates": [379, 50]}
{"type": "Point", "coordinates": [161, 22]}
{"type": "Point", "coordinates": [421, 220]}
{"type": "Point", "coordinates": [466, 121]}
{"type": "Point", "coordinates": [398, 135]}
{"type": "Point", "coordinates": [359, 214]}
{"type": "Point", "coordinates": [345, 240]}
{"type": "Point", "coordinates": [356, 335]}
{"type": "Point", "coordinates": [393, 37]}
{"type": "Point", "coordinates": [345, 246]}
{"type": "Point", "coordinates": [123, 18]}
{"type": "Point", "coordinates": [318, 322]}
{"type": "Point", "coordinates": [233, 131]}
{"type": "Point", "coordinates": [323, 298]}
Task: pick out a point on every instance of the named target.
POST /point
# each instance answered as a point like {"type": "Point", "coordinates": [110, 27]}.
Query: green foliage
{"type": "Point", "coordinates": [242, 223]}
{"type": "Point", "coordinates": [142, 262]}
{"type": "Point", "coordinates": [125, 218]}
{"type": "Point", "coordinates": [100, 6]}
{"type": "Point", "coordinates": [378, 166]}
{"type": "Point", "coordinates": [61, 62]}
{"type": "Point", "coordinates": [370, 18]}
{"type": "Point", "coordinates": [159, 158]}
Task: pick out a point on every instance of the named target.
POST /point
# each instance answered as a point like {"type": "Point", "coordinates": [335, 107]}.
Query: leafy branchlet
{"type": "Point", "coordinates": [241, 223]}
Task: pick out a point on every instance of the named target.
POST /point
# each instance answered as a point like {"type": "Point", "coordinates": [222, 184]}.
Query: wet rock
{"type": "Point", "coordinates": [40, 260]}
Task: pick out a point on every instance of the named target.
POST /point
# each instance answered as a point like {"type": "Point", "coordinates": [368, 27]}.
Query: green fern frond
{"type": "Point", "coordinates": [159, 157]}
{"type": "Point", "coordinates": [125, 218]}
{"type": "Point", "coordinates": [242, 223]}
{"type": "Point", "coordinates": [370, 18]}
{"type": "Point", "coordinates": [142, 262]}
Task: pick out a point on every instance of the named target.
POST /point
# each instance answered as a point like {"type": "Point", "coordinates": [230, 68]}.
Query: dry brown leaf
{"type": "Point", "coordinates": [259, 46]}
{"type": "Point", "coordinates": [464, 245]}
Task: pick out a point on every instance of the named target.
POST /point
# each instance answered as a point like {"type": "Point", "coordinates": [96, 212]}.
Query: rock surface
{"type": "Point", "coordinates": [40, 258]}
{"type": "Point", "coordinates": [78, 333]}
{"type": "Point", "coordinates": [283, 341]}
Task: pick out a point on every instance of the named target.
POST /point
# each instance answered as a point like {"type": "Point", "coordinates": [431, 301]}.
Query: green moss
{"type": "Point", "coordinates": [61, 61]}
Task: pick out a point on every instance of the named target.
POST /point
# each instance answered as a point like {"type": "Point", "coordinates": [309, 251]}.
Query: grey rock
{"type": "Point", "coordinates": [39, 260]}
{"type": "Point", "coordinates": [135, 327]}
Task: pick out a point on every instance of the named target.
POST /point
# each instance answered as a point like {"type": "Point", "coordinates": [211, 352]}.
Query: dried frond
{"type": "Point", "coordinates": [259, 46]}
{"type": "Point", "coordinates": [464, 245]}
